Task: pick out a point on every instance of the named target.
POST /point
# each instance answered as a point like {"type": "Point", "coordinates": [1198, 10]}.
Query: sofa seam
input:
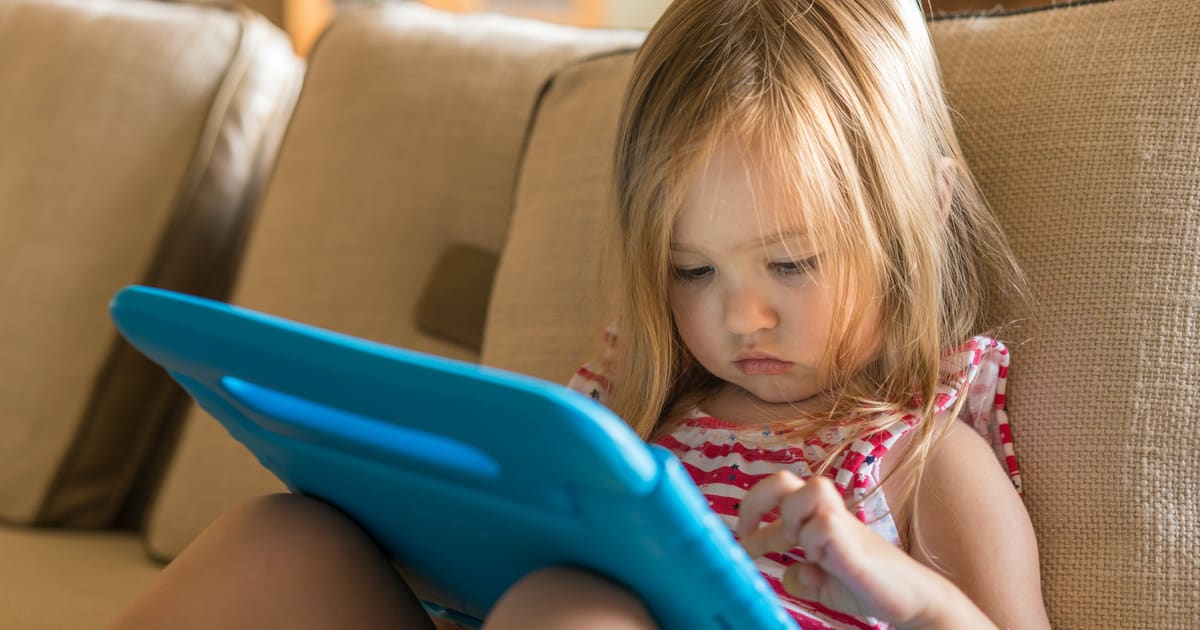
{"type": "Point", "coordinates": [119, 350]}
{"type": "Point", "coordinates": [220, 285]}
{"type": "Point", "coordinates": [289, 106]}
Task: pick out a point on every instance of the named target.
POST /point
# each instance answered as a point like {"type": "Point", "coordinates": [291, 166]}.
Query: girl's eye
{"type": "Point", "coordinates": [794, 267]}
{"type": "Point", "coordinates": [691, 274]}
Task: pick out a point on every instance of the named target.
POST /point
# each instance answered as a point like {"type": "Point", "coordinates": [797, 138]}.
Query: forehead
{"type": "Point", "coordinates": [729, 200]}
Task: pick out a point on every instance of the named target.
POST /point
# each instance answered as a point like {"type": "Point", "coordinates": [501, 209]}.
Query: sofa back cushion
{"type": "Point", "coordinates": [134, 136]}
{"type": "Point", "coordinates": [398, 167]}
{"type": "Point", "coordinates": [554, 250]}
{"type": "Point", "coordinates": [1080, 123]}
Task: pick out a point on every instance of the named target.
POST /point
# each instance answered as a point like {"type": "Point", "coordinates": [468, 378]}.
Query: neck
{"type": "Point", "coordinates": [734, 404]}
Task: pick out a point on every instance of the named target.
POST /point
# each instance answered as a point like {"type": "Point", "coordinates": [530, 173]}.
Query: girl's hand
{"type": "Point", "coordinates": [847, 566]}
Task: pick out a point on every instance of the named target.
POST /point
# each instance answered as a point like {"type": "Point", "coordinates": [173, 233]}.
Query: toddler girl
{"type": "Point", "coordinates": [801, 258]}
{"type": "Point", "coordinates": [802, 261]}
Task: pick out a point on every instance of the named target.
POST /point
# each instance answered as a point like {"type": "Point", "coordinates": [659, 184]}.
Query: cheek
{"type": "Point", "coordinates": [688, 309]}
{"type": "Point", "coordinates": [812, 314]}
{"type": "Point", "coordinates": [821, 313]}
{"type": "Point", "coordinates": [865, 342]}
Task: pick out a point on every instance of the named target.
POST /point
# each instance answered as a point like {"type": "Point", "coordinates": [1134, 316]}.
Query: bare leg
{"type": "Point", "coordinates": [284, 561]}
{"type": "Point", "coordinates": [568, 599]}
{"type": "Point", "coordinates": [280, 561]}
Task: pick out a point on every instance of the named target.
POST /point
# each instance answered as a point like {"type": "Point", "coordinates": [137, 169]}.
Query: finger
{"type": "Point", "coordinates": [802, 513]}
{"type": "Point", "coordinates": [768, 538]}
{"type": "Point", "coordinates": [831, 535]}
{"type": "Point", "coordinates": [819, 493]}
{"type": "Point", "coordinates": [762, 498]}
{"type": "Point", "coordinates": [816, 500]}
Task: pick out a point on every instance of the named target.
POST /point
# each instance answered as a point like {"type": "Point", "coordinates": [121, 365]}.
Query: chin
{"type": "Point", "coordinates": [774, 396]}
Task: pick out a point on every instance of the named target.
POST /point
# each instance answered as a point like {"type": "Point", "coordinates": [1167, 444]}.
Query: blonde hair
{"type": "Point", "coordinates": [842, 101]}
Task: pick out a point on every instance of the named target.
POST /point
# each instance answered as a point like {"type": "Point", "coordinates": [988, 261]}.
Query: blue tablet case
{"type": "Point", "coordinates": [470, 477]}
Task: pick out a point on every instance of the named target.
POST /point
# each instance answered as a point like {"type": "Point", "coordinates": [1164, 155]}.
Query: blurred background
{"type": "Point", "coordinates": [304, 19]}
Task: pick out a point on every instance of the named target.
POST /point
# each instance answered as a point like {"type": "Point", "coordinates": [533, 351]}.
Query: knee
{"type": "Point", "coordinates": [276, 512]}
{"type": "Point", "coordinates": [563, 597]}
{"type": "Point", "coordinates": [279, 561]}
{"type": "Point", "coordinates": [284, 528]}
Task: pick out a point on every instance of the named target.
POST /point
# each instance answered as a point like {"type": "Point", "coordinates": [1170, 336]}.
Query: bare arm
{"type": "Point", "coordinates": [971, 527]}
{"type": "Point", "coordinates": [975, 564]}
{"type": "Point", "coordinates": [847, 566]}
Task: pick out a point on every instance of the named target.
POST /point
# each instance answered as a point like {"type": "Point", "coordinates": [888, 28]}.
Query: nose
{"type": "Point", "coordinates": [749, 310]}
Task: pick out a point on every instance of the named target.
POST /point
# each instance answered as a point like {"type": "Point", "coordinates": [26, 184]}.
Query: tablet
{"type": "Point", "coordinates": [469, 477]}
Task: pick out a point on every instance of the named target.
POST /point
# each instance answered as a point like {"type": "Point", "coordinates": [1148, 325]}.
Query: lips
{"type": "Point", "coordinates": [763, 366]}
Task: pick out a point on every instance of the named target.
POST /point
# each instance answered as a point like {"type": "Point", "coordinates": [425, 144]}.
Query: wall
{"type": "Point", "coordinates": [635, 13]}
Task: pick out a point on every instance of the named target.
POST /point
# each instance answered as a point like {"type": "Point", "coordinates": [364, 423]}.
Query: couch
{"type": "Point", "coordinates": [436, 181]}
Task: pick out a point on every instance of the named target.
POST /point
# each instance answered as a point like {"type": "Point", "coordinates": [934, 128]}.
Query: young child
{"type": "Point", "coordinates": [801, 259]}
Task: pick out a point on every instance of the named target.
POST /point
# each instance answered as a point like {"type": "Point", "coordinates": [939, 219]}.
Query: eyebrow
{"type": "Point", "coordinates": [757, 242]}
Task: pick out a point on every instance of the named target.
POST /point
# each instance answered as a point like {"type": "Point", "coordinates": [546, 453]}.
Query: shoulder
{"type": "Point", "coordinates": [960, 468]}
{"type": "Point", "coordinates": [961, 463]}
{"type": "Point", "coordinates": [970, 524]}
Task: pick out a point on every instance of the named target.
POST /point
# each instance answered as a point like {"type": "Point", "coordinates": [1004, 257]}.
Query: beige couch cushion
{"type": "Point", "coordinates": [56, 579]}
{"type": "Point", "coordinates": [133, 135]}
{"type": "Point", "coordinates": [1081, 123]}
{"type": "Point", "coordinates": [405, 142]}
{"type": "Point", "coordinates": [559, 216]}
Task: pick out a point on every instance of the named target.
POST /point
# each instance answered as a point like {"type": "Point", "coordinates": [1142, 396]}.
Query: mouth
{"type": "Point", "coordinates": [763, 366]}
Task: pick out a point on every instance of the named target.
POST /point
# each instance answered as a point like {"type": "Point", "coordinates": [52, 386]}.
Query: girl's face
{"type": "Point", "coordinates": [751, 304]}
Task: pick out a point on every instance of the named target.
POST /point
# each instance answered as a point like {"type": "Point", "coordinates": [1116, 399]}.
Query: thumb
{"type": "Point", "coordinates": [805, 581]}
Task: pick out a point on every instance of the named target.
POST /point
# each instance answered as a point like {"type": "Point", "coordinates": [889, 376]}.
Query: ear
{"type": "Point", "coordinates": [947, 176]}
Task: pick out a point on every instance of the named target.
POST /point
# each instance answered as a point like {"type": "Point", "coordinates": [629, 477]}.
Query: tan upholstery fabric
{"type": "Point", "coordinates": [405, 139]}
{"type": "Point", "coordinates": [454, 304]}
{"type": "Point", "coordinates": [132, 137]}
{"type": "Point", "coordinates": [1083, 125]}
{"type": "Point", "coordinates": [54, 579]}
{"type": "Point", "coordinates": [546, 310]}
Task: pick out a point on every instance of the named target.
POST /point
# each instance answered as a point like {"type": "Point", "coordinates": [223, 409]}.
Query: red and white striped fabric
{"type": "Point", "coordinates": [725, 459]}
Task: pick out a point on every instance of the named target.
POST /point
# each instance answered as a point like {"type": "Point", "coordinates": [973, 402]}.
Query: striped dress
{"type": "Point", "coordinates": [726, 459]}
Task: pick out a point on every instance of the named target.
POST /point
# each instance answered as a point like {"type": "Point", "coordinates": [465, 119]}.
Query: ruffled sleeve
{"type": "Point", "coordinates": [592, 377]}
{"type": "Point", "coordinates": [979, 370]}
